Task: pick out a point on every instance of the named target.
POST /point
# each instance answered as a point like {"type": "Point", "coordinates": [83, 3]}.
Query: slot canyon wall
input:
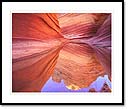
{"type": "Point", "coordinates": [72, 47]}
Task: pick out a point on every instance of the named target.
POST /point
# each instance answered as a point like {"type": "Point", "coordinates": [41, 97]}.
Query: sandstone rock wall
{"type": "Point", "coordinates": [72, 47]}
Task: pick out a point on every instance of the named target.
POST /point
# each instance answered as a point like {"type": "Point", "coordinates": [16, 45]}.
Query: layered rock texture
{"type": "Point", "coordinates": [72, 47]}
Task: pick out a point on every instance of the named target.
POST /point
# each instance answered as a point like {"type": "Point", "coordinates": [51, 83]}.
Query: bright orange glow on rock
{"type": "Point", "coordinates": [73, 87]}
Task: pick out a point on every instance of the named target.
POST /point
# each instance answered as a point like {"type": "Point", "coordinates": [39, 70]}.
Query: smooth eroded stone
{"type": "Point", "coordinates": [36, 43]}
{"type": "Point", "coordinates": [87, 55]}
{"type": "Point", "coordinates": [72, 47]}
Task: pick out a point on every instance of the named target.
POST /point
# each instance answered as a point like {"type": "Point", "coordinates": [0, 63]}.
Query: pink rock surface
{"type": "Point", "coordinates": [72, 47]}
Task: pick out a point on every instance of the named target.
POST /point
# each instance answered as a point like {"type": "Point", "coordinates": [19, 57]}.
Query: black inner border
{"type": "Point", "coordinates": [123, 99]}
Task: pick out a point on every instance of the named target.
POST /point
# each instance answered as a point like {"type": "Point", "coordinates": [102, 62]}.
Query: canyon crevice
{"type": "Point", "coordinates": [72, 47]}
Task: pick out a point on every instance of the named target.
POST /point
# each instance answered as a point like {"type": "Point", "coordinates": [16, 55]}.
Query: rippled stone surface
{"type": "Point", "coordinates": [75, 48]}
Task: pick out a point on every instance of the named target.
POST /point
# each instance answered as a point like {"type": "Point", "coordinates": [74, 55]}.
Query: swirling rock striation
{"type": "Point", "coordinates": [75, 48]}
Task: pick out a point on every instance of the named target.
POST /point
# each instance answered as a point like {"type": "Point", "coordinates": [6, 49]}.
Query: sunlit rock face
{"type": "Point", "coordinates": [88, 54]}
{"type": "Point", "coordinates": [73, 87]}
{"type": "Point", "coordinates": [36, 44]}
{"type": "Point", "coordinates": [75, 48]}
{"type": "Point", "coordinates": [80, 25]}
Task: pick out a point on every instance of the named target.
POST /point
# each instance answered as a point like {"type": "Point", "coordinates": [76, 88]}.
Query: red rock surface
{"type": "Point", "coordinates": [36, 46]}
{"type": "Point", "coordinates": [86, 57]}
{"type": "Point", "coordinates": [72, 47]}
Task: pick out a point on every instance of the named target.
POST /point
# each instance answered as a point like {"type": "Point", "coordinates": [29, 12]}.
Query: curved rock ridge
{"type": "Point", "coordinates": [72, 47]}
